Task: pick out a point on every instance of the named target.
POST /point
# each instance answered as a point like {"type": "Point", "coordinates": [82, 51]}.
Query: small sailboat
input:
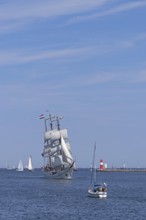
{"type": "Point", "coordinates": [30, 166]}
{"type": "Point", "coordinates": [8, 167]}
{"type": "Point", "coordinates": [20, 166]}
{"type": "Point", "coordinates": [95, 189]}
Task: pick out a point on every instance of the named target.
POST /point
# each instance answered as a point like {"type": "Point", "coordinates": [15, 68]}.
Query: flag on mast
{"type": "Point", "coordinates": [41, 116]}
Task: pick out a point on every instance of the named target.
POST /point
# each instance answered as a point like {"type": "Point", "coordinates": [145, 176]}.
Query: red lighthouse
{"type": "Point", "coordinates": [101, 165]}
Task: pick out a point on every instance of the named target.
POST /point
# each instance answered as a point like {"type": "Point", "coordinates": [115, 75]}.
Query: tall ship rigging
{"type": "Point", "coordinates": [58, 160]}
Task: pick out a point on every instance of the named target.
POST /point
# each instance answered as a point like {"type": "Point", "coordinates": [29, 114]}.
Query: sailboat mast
{"type": "Point", "coordinates": [93, 164]}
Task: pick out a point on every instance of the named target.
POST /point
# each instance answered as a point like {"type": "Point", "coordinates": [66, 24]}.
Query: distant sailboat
{"type": "Point", "coordinates": [8, 167]}
{"type": "Point", "coordinates": [20, 166]}
{"type": "Point", "coordinates": [30, 166]}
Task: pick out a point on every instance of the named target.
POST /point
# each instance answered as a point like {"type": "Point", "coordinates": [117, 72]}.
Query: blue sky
{"type": "Point", "coordinates": [84, 60]}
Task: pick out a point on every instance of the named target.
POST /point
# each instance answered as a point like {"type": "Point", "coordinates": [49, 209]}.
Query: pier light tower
{"type": "Point", "coordinates": [101, 165]}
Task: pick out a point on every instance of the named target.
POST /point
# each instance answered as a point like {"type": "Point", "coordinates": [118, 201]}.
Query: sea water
{"type": "Point", "coordinates": [30, 196]}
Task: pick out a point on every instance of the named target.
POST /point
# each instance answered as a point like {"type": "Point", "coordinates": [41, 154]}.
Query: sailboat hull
{"type": "Point", "coordinates": [97, 194]}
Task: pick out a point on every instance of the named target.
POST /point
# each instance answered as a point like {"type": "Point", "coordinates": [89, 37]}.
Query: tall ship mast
{"type": "Point", "coordinates": [58, 160]}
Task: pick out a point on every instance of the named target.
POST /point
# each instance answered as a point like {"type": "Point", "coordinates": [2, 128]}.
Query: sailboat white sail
{"type": "Point", "coordinates": [98, 190]}
{"type": "Point", "coordinates": [57, 151]}
{"type": "Point", "coordinates": [20, 166]}
{"type": "Point", "coordinates": [30, 166]}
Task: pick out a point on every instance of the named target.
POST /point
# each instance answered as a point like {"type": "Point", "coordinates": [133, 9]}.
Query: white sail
{"type": "Point", "coordinates": [20, 166]}
{"type": "Point", "coordinates": [55, 134]}
{"type": "Point", "coordinates": [30, 166]}
{"type": "Point", "coordinates": [68, 145]}
{"type": "Point", "coordinates": [57, 160]}
{"type": "Point", "coordinates": [68, 158]}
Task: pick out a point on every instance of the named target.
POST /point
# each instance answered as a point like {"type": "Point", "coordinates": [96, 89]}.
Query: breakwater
{"type": "Point", "coordinates": [122, 170]}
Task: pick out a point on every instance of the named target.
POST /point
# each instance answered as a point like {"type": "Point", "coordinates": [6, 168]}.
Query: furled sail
{"type": "Point", "coordinates": [51, 150]}
{"type": "Point", "coordinates": [55, 134]}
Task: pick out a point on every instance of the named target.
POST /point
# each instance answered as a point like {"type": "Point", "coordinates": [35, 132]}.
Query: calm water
{"type": "Point", "coordinates": [29, 196]}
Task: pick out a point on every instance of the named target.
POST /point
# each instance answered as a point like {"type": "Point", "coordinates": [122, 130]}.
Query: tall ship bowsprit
{"type": "Point", "coordinates": [58, 160]}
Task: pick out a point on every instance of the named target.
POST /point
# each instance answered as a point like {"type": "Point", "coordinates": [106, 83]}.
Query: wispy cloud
{"type": "Point", "coordinates": [10, 26]}
{"type": "Point", "coordinates": [112, 11]}
{"type": "Point", "coordinates": [99, 78]}
{"type": "Point", "coordinates": [125, 77]}
{"type": "Point", "coordinates": [20, 56]}
{"type": "Point", "coordinates": [23, 56]}
{"type": "Point", "coordinates": [46, 9]}
{"type": "Point", "coordinates": [14, 15]}
{"type": "Point", "coordinates": [24, 93]}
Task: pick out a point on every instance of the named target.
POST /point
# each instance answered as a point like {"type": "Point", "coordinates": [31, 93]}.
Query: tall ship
{"type": "Point", "coordinates": [58, 160]}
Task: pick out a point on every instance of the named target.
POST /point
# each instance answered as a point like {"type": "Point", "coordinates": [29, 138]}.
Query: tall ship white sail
{"type": "Point", "coordinates": [58, 160]}
{"type": "Point", "coordinates": [30, 166]}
